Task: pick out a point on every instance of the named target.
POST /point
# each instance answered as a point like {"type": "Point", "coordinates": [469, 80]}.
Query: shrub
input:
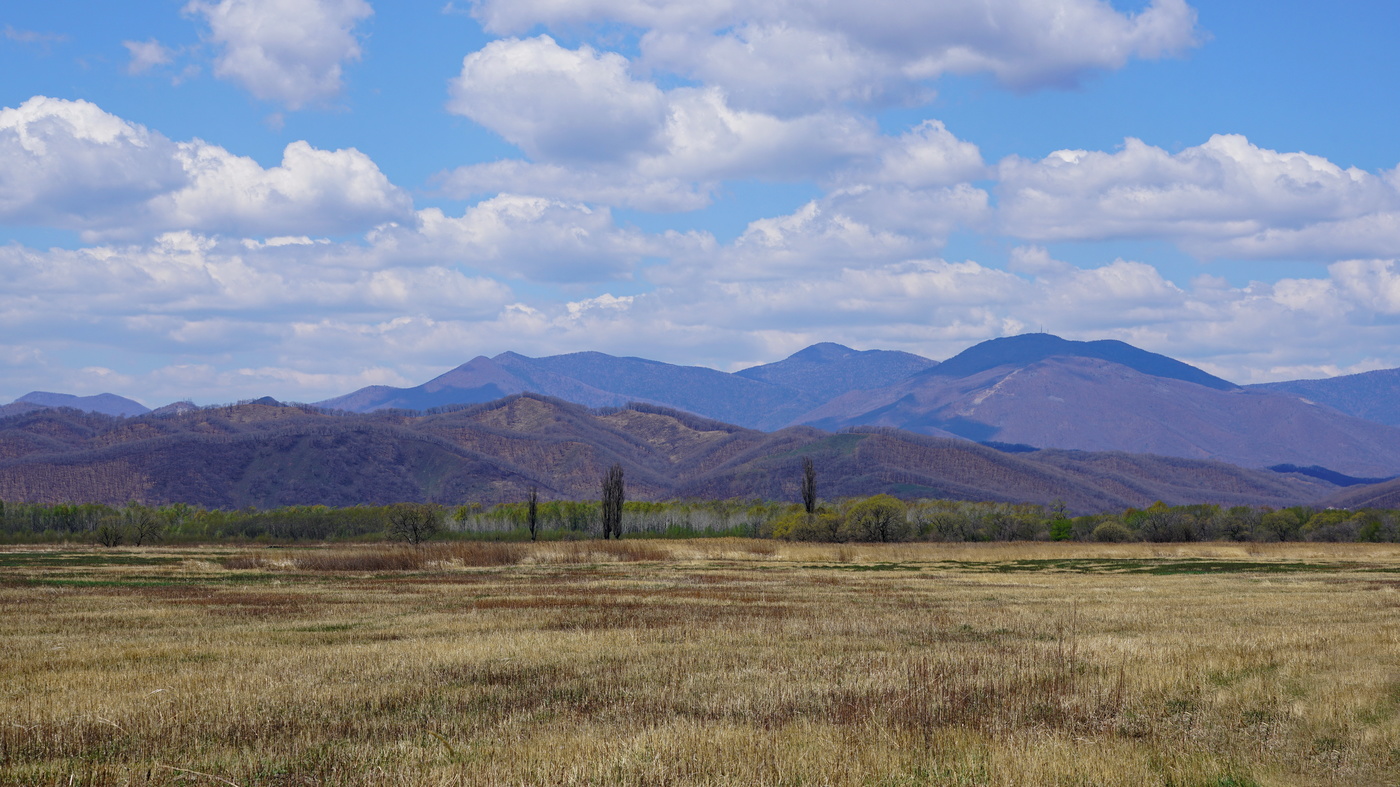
{"type": "Point", "coordinates": [798, 526]}
{"type": "Point", "coordinates": [1113, 532]}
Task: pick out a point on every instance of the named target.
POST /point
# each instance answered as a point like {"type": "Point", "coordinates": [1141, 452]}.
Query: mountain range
{"type": "Point", "coordinates": [268, 454]}
{"type": "Point", "coordinates": [1034, 391]}
{"type": "Point", "coordinates": [764, 397]}
{"type": "Point", "coordinates": [106, 403]}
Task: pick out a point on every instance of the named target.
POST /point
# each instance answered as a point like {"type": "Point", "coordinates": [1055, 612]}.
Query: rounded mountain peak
{"type": "Point", "coordinates": [823, 352]}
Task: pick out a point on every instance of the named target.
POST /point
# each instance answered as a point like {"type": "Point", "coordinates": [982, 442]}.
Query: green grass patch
{"type": "Point", "coordinates": [867, 566]}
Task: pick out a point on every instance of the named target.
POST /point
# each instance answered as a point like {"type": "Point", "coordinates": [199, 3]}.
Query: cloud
{"type": "Point", "coordinates": [926, 156]}
{"type": "Point", "coordinates": [583, 108]}
{"type": "Point", "coordinates": [312, 191]}
{"type": "Point", "coordinates": [419, 299]}
{"type": "Point", "coordinates": [781, 68]}
{"type": "Point", "coordinates": [1224, 198]}
{"type": "Point", "coordinates": [33, 37]}
{"type": "Point", "coordinates": [288, 51]}
{"type": "Point", "coordinates": [559, 104]}
{"type": "Point", "coordinates": [600, 135]}
{"type": "Point", "coordinates": [607, 186]}
{"type": "Point", "coordinates": [68, 164]}
{"type": "Point", "coordinates": [189, 293]}
{"type": "Point", "coordinates": [857, 228]}
{"type": "Point", "coordinates": [1374, 284]}
{"type": "Point", "coordinates": [146, 55]}
{"type": "Point", "coordinates": [527, 238]}
{"type": "Point", "coordinates": [791, 56]}
{"type": "Point", "coordinates": [64, 161]}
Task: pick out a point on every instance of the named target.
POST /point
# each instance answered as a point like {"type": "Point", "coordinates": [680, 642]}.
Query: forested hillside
{"type": "Point", "coordinates": [268, 455]}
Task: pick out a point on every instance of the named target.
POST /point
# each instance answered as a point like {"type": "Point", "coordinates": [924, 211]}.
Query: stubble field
{"type": "Point", "coordinates": [702, 663]}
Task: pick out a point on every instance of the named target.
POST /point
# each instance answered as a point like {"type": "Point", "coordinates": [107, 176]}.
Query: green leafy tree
{"type": "Point", "coordinates": [1113, 532]}
{"type": "Point", "coordinates": [1061, 528]}
{"type": "Point", "coordinates": [878, 518]}
{"type": "Point", "coordinates": [801, 526]}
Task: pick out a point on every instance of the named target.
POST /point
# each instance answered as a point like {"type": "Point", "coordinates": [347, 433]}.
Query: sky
{"type": "Point", "coordinates": [218, 200]}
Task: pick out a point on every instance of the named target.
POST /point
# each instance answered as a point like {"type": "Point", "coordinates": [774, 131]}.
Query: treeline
{"type": "Point", "coordinates": [873, 519]}
{"type": "Point", "coordinates": [885, 518]}
{"type": "Point", "coordinates": [135, 523]}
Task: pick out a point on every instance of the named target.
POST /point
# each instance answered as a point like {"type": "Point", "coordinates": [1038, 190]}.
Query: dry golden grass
{"type": "Point", "coordinates": [703, 663]}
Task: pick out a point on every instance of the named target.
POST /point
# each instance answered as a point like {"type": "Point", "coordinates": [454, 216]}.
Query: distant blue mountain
{"type": "Point", "coordinates": [107, 404]}
{"type": "Point", "coordinates": [763, 397]}
{"type": "Point", "coordinates": [827, 370]}
{"type": "Point", "coordinates": [1029, 348]}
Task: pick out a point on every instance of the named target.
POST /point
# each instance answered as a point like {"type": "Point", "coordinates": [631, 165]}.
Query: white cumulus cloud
{"type": "Point", "coordinates": [557, 103]}
{"type": "Point", "coordinates": [598, 134]}
{"type": "Point", "coordinates": [61, 162]}
{"type": "Point", "coordinates": [288, 51]}
{"type": "Point", "coordinates": [526, 237]}
{"type": "Point", "coordinates": [1224, 198]}
{"type": "Point", "coordinates": [69, 164]}
{"type": "Point", "coordinates": [793, 55]}
{"type": "Point", "coordinates": [311, 191]}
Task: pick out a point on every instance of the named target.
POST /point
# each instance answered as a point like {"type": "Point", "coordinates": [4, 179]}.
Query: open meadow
{"type": "Point", "coordinates": [708, 662]}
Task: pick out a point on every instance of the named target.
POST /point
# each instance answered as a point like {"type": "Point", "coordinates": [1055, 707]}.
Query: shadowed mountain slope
{"type": "Point", "coordinates": [1383, 495]}
{"type": "Point", "coordinates": [695, 389]}
{"type": "Point", "coordinates": [269, 455]}
{"type": "Point", "coordinates": [1094, 404]}
{"type": "Point", "coordinates": [1374, 396]}
{"type": "Point", "coordinates": [1029, 348]}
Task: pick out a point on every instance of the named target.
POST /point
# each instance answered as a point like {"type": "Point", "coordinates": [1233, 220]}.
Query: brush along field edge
{"type": "Point", "coordinates": [703, 662]}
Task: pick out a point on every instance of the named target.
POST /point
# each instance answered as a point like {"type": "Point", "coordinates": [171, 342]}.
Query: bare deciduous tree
{"type": "Point", "coordinates": [613, 497]}
{"type": "Point", "coordinates": [809, 486]}
{"type": "Point", "coordinates": [414, 522]}
{"type": "Point", "coordinates": [142, 523]}
{"type": "Point", "coordinates": [532, 512]}
{"type": "Point", "coordinates": [109, 532]}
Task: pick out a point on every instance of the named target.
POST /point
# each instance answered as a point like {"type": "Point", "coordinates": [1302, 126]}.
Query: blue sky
{"type": "Point", "coordinates": [224, 199]}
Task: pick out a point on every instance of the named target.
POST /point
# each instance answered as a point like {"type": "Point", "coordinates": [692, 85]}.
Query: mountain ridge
{"type": "Point", "coordinates": [269, 455]}
{"type": "Point", "coordinates": [1031, 391]}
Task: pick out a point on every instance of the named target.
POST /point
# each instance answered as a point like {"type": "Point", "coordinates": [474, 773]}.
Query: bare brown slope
{"type": "Point", "coordinates": [1096, 405]}
{"type": "Point", "coordinates": [266, 455]}
{"type": "Point", "coordinates": [1383, 495]}
{"type": "Point", "coordinates": [872, 460]}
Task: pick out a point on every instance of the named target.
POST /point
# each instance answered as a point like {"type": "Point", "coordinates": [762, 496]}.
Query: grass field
{"type": "Point", "coordinates": [702, 663]}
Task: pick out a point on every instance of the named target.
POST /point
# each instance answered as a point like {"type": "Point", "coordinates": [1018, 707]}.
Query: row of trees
{"type": "Point", "coordinates": [881, 518]}
{"type": "Point", "coordinates": [885, 518]}
{"type": "Point", "coordinates": [874, 519]}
